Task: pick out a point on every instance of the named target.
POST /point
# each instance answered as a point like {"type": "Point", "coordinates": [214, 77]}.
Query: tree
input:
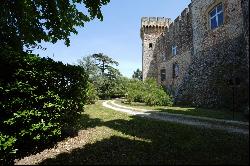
{"type": "Point", "coordinates": [90, 67]}
{"type": "Point", "coordinates": [26, 22]}
{"type": "Point", "coordinates": [137, 74]}
{"type": "Point", "coordinates": [103, 75]}
{"type": "Point", "coordinates": [104, 62]}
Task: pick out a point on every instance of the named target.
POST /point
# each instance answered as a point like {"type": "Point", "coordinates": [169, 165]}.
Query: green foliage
{"type": "Point", "coordinates": [120, 87]}
{"type": "Point", "coordinates": [38, 100]}
{"type": "Point", "coordinates": [104, 87]}
{"type": "Point", "coordinates": [92, 94]}
{"type": "Point", "coordinates": [104, 62]}
{"type": "Point", "coordinates": [24, 23]}
{"type": "Point", "coordinates": [7, 150]}
{"type": "Point", "coordinates": [106, 79]}
{"type": "Point", "coordinates": [137, 74]}
{"type": "Point", "coordinates": [89, 65]}
{"type": "Point", "coordinates": [135, 91]}
{"type": "Point", "coordinates": [147, 92]}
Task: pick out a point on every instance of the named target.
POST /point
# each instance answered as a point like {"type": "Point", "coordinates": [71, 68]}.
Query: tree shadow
{"type": "Point", "coordinates": [114, 150]}
{"type": "Point", "coordinates": [152, 142]}
{"type": "Point", "coordinates": [83, 122]}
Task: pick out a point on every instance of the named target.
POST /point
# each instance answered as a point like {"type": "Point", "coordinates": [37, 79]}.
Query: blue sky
{"type": "Point", "coordinates": [117, 36]}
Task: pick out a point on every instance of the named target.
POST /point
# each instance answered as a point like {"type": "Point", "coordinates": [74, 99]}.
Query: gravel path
{"type": "Point", "coordinates": [203, 122]}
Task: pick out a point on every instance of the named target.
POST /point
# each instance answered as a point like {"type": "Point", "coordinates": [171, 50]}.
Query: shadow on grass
{"type": "Point", "coordinates": [155, 142]}
{"type": "Point", "coordinates": [83, 122]}
{"type": "Point", "coordinates": [115, 150]}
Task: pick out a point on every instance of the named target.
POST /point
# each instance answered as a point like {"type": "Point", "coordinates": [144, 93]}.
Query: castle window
{"type": "Point", "coordinates": [174, 50]}
{"type": "Point", "coordinates": [163, 74]}
{"type": "Point", "coordinates": [150, 45]}
{"type": "Point", "coordinates": [175, 70]}
{"type": "Point", "coordinates": [216, 16]}
{"type": "Point", "coordinates": [163, 57]}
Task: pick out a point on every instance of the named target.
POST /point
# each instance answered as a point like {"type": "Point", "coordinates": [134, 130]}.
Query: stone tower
{"type": "Point", "coordinates": [151, 29]}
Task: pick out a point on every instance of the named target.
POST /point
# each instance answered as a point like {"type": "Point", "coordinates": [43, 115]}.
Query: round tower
{"type": "Point", "coordinates": [151, 29]}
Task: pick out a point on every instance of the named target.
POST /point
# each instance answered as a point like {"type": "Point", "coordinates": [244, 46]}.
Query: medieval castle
{"type": "Point", "coordinates": [202, 57]}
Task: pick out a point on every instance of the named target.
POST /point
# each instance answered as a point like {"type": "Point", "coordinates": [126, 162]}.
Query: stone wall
{"type": "Point", "coordinates": [178, 34]}
{"type": "Point", "coordinates": [218, 57]}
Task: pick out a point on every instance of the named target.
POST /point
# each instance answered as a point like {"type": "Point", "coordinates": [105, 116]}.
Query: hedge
{"type": "Point", "coordinates": [39, 101]}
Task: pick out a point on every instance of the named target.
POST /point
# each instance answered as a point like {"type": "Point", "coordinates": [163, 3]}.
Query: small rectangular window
{"type": "Point", "coordinates": [150, 45]}
{"type": "Point", "coordinates": [174, 50]}
{"type": "Point", "coordinates": [175, 70]}
{"type": "Point", "coordinates": [163, 57]}
{"type": "Point", "coordinates": [163, 74]}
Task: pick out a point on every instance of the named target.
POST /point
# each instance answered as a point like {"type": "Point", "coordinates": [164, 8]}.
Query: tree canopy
{"type": "Point", "coordinates": [137, 74]}
{"type": "Point", "coordinates": [28, 22]}
{"type": "Point", "coordinates": [106, 79]}
{"type": "Point", "coordinates": [104, 62]}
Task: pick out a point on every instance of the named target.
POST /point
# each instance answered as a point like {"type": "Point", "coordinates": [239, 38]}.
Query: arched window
{"type": "Point", "coordinates": [216, 16]}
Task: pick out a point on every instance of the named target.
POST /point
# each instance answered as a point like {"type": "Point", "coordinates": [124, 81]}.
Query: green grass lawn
{"type": "Point", "coordinates": [118, 138]}
{"type": "Point", "coordinates": [211, 113]}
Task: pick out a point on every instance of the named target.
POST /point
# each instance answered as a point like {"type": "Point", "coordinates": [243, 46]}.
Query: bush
{"type": "Point", "coordinates": [110, 87]}
{"type": "Point", "coordinates": [147, 92]}
{"type": "Point", "coordinates": [7, 151]}
{"type": "Point", "coordinates": [135, 91]}
{"type": "Point", "coordinates": [92, 94]}
{"type": "Point", "coordinates": [39, 100]}
{"type": "Point", "coordinates": [119, 88]}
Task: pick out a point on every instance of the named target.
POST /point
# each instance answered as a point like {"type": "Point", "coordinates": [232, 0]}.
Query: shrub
{"type": "Point", "coordinates": [110, 88]}
{"type": "Point", "coordinates": [147, 92]}
{"type": "Point", "coordinates": [39, 100]}
{"type": "Point", "coordinates": [92, 94]}
{"type": "Point", "coordinates": [135, 91]}
{"type": "Point", "coordinates": [7, 151]}
{"type": "Point", "coordinates": [119, 88]}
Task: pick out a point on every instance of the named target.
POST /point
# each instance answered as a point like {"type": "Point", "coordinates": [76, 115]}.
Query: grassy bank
{"type": "Point", "coordinates": [117, 138]}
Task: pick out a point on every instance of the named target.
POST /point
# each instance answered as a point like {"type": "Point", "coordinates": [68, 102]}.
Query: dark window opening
{"type": "Point", "coordinates": [150, 45]}
{"type": "Point", "coordinates": [163, 74]}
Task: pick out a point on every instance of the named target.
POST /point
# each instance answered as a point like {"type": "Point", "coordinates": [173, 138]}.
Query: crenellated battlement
{"type": "Point", "coordinates": [180, 20]}
{"type": "Point", "coordinates": [154, 25]}
{"type": "Point", "coordinates": [155, 22]}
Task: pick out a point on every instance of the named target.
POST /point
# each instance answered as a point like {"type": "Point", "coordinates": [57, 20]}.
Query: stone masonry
{"type": "Point", "coordinates": [196, 63]}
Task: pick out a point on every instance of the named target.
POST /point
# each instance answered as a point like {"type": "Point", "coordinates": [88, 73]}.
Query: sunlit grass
{"type": "Point", "coordinates": [211, 113]}
{"type": "Point", "coordinates": [117, 138]}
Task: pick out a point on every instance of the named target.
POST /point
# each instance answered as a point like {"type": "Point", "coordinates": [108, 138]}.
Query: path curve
{"type": "Point", "coordinates": [203, 122]}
